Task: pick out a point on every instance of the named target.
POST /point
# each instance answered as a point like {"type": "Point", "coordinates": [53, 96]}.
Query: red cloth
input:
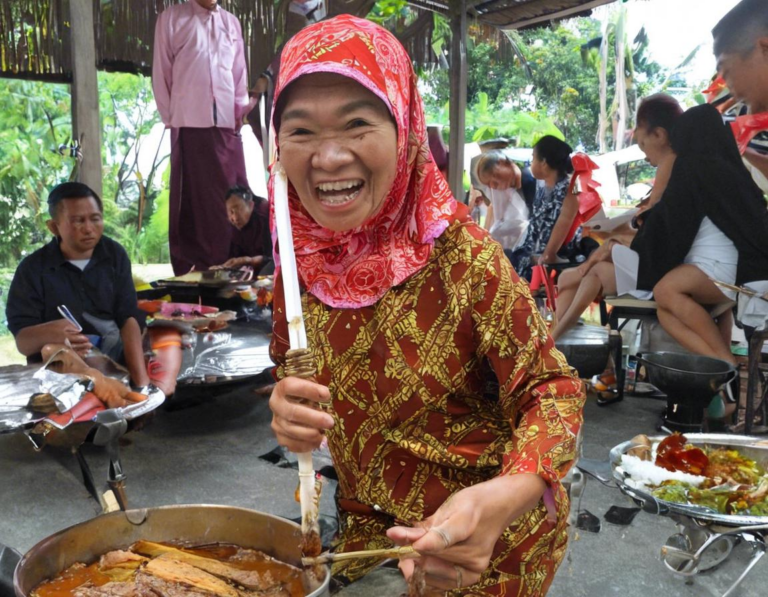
{"type": "Point", "coordinates": [87, 408]}
{"type": "Point", "coordinates": [746, 127]}
{"type": "Point", "coordinates": [205, 162]}
{"type": "Point", "coordinates": [716, 88]}
{"type": "Point", "coordinates": [589, 199]}
{"type": "Point", "coordinates": [356, 267]}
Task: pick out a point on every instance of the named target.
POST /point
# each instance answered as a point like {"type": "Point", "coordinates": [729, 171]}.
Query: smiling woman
{"type": "Point", "coordinates": [342, 162]}
{"type": "Point", "coordinates": [409, 306]}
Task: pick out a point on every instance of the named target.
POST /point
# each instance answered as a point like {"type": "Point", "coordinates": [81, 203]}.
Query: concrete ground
{"type": "Point", "coordinates": [208, 453]}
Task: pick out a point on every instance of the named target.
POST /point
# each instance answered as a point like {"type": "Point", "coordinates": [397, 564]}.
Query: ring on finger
{"type": "Point", "coordinates": [459, 576]}
{"type": "Point", "coordinates": [443, 535]}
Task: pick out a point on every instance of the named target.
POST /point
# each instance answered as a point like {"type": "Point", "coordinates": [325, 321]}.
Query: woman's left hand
{"type": "Point", "coordinates": [456, 543]}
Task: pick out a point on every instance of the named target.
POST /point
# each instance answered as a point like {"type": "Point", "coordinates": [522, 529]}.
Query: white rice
{"type": "Point", "coordinates": [644, 473]}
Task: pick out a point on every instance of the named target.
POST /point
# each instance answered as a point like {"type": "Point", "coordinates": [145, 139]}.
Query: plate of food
{"type": "Point", "coordinates": [215, 278]}
{"type": "Point", "coordinates": [713, 477]}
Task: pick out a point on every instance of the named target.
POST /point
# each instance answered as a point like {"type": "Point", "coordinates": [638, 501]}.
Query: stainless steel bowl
{"type": "Point", "coordinates": [192, 524]}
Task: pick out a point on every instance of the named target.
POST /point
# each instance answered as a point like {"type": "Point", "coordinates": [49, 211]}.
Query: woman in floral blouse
{"type": "Point", "coordinates": [450, 415]}
{"type": "Point", "coordinates": [553, 212]}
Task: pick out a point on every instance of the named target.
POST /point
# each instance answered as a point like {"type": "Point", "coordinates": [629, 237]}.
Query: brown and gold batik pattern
{"type": "Point", "coordinates": [448, 380]}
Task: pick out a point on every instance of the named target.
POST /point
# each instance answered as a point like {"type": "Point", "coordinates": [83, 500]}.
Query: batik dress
{"type": "Point", "coordinates": [448, 380]}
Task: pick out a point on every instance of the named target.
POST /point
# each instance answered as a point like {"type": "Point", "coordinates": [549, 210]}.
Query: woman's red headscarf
{"type": "Point", "coordinates": [355, 268]}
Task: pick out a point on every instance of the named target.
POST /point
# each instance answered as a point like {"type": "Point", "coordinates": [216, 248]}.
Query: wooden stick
{"type": "Point", "coordinates": [404, 552]}
{"type": "Point", "coordinates": [298, 342]}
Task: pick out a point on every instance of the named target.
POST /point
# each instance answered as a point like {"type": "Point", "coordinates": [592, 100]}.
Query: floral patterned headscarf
{"type": "Point", "coordinates": [354, 268]}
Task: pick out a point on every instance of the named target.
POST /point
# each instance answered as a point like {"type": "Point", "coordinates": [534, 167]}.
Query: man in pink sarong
{"type": "Point", "coordinates": [200, 82]}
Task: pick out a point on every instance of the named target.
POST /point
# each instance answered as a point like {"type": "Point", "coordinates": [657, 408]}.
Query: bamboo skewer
{"type": "Point", "coordinates": [300, 362]}
{"type": "Point", "coordinates": [404, 552]}
{"type": "Point", "coordinates": [741, 289]}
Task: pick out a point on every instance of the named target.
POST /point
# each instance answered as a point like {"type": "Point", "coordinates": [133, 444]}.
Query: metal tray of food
{"type": "Point", "coordinates": [754, 448]}
{"type": "Point", "coordinates": [216, 278]}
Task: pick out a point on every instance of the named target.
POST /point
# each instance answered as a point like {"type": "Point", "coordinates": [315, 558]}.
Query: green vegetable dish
{"type": "Point", "coordinates": [734, 484]}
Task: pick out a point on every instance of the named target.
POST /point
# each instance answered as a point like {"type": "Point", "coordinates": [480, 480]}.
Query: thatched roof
{"type": "Point", "coordinates": [34, 34]}
{"type": "Point", "coordinates": [515, 14]}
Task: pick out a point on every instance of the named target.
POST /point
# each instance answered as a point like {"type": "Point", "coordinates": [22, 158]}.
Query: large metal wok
{"type": "Point", "coordinates": [689, 381]}
{"type": "Point", "coordinates": [705, 537]}
{"type": "Point", "coordinates": [191, 525]}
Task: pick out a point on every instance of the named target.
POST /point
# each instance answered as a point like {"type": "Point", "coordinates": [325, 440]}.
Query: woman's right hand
{"type": "Point", "coordinates": [296, 419]}
{"type": "Point", "coordinates": [602, 253]}
{"type": "Point", "coordinates": [584, 268]}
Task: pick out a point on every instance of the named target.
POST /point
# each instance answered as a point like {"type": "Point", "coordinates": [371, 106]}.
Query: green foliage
{"type": "Point", "coordinates": [485, 121]}
{"type": "Point", "coordinates": [35, 121]}
{"type": "Point", "coordinates": [387, 12]}
{"type": "Point", "coordinates": [6, 276]}
{"type": "Point", "coordinates": [565, 89]}
{"type": "Point", "coordinates": [128, 114]}
{"type": "Point", "coordinates": [154, 244]}
{"type": "Point", "coordinates": [548, 81]}
{"type": "Point", "coordinates": [541, 88]}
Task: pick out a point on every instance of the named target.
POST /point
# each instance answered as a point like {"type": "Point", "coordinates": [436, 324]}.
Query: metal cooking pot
{"type": "Point", "coordinates": [690, 378]}
{"type": "Point", "coordinates": [586, 348]}
{"type": "Point", "coordinates": [8, 559]}
{"type": "Point", "coordinates": [193, 524]}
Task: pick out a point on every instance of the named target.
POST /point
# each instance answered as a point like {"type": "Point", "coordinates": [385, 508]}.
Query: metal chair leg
{"type": "Point", "coordinates": [757, 542]}
{"type": "Point", "coordinates": [614, 340]}
{"type": "Point", "coordinates": [756, 340]}
{"type": "Point", "coordinates": [85, 469]}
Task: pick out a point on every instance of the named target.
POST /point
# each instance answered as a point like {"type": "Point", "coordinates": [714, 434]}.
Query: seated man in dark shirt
{"type": "Point", "coordinates": [251, 242]}
{"type": "Point", "coordinates": [87, 273]}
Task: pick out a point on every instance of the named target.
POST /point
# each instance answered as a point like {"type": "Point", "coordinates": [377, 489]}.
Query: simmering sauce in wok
{"type": "Point", "coordinates": [168, 571]}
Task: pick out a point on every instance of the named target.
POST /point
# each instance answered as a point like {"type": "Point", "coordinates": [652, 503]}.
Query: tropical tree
{"type": "Point", "coordinates": [625, 73]}
{"type": "Point", "coordinates": [128, 114]}
{"type": "Point", "coordinates": [35, 131]}
{"type": "Point", "coordinates": [36, 153]}
{"type": "Point", "coordinates": [485, 121]}
{"type": "Point", "coordinates": [538, 73]}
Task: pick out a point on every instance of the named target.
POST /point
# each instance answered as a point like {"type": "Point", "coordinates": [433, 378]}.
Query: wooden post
{"type": "Point", "coordinates": [86, 127]}
{"type": "Point", "coordinates": [458, 100]}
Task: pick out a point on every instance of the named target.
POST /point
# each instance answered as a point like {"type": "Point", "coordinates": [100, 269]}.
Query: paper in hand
{"type": "Point", "coordinates": [610, 224]}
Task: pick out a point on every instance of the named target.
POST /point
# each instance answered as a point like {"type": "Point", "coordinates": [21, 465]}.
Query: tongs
{"type": "Point", "coordinates": [404, 552]}
{"type": "Point", "coordinates": [741, 289]}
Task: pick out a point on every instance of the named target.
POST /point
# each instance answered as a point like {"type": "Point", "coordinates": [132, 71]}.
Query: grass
{"type": "Point", "coordinates": [8, 353]}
